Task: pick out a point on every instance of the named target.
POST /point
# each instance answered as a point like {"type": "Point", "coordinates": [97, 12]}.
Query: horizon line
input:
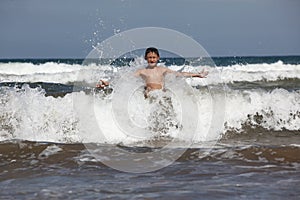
{"type": "Point", "coordinates": [78, 58]}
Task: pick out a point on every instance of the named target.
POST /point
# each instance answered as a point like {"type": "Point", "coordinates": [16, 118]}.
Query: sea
{"type": "Point", "coordinates": [232, 135]}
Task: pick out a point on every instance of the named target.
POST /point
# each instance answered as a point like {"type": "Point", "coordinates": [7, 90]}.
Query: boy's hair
{"type": "Point", "coordinates": [151, 49]}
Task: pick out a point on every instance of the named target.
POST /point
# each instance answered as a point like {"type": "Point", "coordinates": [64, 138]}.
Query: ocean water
{"type": "Point", "coordinates": [242, 141]}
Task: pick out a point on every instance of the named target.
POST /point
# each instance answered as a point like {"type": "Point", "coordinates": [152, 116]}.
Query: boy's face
{"type": "Point", "coordinates": [152, 59]}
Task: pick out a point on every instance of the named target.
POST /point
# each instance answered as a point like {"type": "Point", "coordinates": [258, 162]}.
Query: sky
{"type": "Point", "coordinates": [69, 28]}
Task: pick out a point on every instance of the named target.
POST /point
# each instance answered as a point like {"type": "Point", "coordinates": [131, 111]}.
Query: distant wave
{"type": "Point", "coordinates": [69, 73]}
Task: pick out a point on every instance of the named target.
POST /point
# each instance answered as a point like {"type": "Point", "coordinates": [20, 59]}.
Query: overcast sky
{"type": "Point", "coordinates": [69, 28]}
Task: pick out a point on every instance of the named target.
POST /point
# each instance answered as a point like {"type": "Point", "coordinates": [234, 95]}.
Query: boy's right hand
{"type": "Point", "coordinates": [102, 84]}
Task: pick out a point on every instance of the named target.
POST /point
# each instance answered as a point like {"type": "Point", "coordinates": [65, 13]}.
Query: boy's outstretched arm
{"type": "Point", "coordinates": [202, 74]}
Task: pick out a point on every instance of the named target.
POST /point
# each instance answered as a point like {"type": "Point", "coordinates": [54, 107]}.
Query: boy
{"type": "Point", "coordinates": [154, 75]}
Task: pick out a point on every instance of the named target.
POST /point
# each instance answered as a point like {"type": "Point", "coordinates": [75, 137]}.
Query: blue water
{"type": "Point", "coordinates": [219, 61]}
{"type": "Point", "coordinates": [256, 156]}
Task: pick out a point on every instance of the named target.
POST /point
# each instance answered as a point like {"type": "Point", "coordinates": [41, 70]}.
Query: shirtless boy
{"type": "Point", "coordinates": [153, 74]}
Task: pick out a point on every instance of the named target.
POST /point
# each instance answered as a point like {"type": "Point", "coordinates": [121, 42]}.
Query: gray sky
{"type": "Point", "coordinates": [69, 28]}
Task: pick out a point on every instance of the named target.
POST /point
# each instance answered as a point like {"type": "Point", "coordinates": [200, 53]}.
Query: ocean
{"type": "Point", "coordinates": [232, 135]}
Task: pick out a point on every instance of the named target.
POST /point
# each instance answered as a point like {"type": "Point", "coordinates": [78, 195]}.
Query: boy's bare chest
{"type": "Point", "coordinates": [153, 73]}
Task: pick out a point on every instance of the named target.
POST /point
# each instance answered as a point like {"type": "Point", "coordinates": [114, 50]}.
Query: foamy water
{"type": "Point", "coordinates": [28, 114]}
{"type": "Point", "coordinates": [69, 73]}
{"type": "Point", "coordinates": [237, 132]}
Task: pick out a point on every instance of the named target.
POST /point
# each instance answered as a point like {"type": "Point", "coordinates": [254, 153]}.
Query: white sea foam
{"type": "Point", "coordinates": [276, 110]}
{"type": "Point", "coordinates": [262, 71]}
{"type": "Point", "coordinates": [28, 114]}
{"type": "Point", "coordinates": [247, 73]}
{"type": "Point", "coordinates": [68, 73]}
{"type": "Point", "coordinates": [52, 72]}
{"type": "Point", "coordinates": [49, 151]}
{"type": "Point", "coordinates": [18, 68]}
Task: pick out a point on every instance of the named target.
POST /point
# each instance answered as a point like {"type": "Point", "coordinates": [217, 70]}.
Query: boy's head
{"type": "Point", "coordinates": [151, 49]}
{"type": "Point", "coordinates": [152, 56]}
